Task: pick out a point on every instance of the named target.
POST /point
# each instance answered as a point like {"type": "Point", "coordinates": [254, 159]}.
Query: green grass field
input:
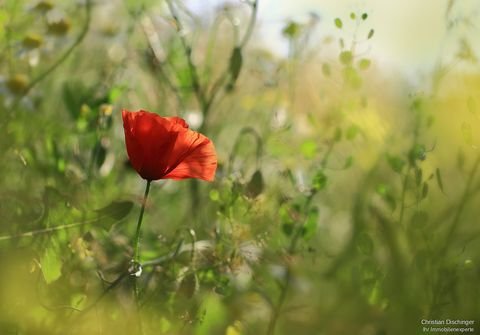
{"type": "Point", "coordinates": [345, 199]}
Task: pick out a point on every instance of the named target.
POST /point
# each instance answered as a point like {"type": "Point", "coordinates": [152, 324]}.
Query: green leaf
{"type": "Point", "coordinates": [346, 57]}
{"type": "Point", "coordinates": [319, 181]}
{"type": "Point", "coordinates": [370, 34]}
{"type": "Point", "coordinates": [353, 16]}
{"type": "Point", "coordinates": [364, 64]}
{"type": "Point", "coordinates": [51, 262]}
{"type": "Point", "coordinates": [308, 149]}
{"type": "Point", "coordinates": [117, 209]}
{"type": "Point", "coordinates": [291, 30]}
{"type": "Point", "coordinates": [439, 179]}
{"type": "Point", "coordinates": [310, 227]}
{"type": "Point", "coordinates": [425, 190]}
{"type": "Point", "coordinates": [338, 23]}
{"type": "Point", "coordinates": [418, 152]}
{"type": "Point", "coordinates": [236, 62]}
{"type": "Point", "coordinates": [115, 94]}
{"type": "Point", "coordinates": [364, 16]}
{"type": "Point", "coordinates": [396, 163]}
{"type": "Point", "coordinates": [214, 195]}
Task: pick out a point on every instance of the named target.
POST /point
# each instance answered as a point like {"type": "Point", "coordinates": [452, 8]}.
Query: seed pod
{"type": "Point", "coordinates": [32, 41]}
{"type": "Point", "coordinates": [17, 83]}
{"type": "Point", "coordinates": [255, 185]}
{"type": "Point", "coordinates": [43, 5]}
{"type": "Point", "coordinates": [60, 27]}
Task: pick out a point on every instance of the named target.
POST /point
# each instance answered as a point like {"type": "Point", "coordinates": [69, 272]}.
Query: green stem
{"type": "Point", "coordinates": [277, 309]}
{"type": "Point", "coordinates": [251, 24]}
{"type": "Point", "coordinates": [197, 87]}
{"type": "Point", "coordinates": [136, 256]}
{"type": "Point", "coordinates": [136, 243]}
{"type": "Point", "coordinates": [404, 194]}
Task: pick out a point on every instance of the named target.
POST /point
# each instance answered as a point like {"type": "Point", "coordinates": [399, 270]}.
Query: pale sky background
{"type": "Point", "coordinates": [410, 35]}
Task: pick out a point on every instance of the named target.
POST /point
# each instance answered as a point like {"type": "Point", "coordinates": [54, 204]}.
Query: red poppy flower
{"type": "Point", "coordinates": [165, 148]}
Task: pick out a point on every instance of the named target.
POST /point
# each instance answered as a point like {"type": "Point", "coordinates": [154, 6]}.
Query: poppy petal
{"type": "Point", "coordinates": [148, 143]}
{"type": "Point", "coordinates": [165, 148]}
{"type": "Point", "coordinates": [177, 120]}
{"type": "Point", "coordinates": [198, 161]}
{"type": "Point", "coordinates": [134, 148]}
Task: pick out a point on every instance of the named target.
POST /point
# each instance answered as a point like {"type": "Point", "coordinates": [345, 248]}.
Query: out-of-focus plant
{"type": "Point", "coordinates": [343, 200]}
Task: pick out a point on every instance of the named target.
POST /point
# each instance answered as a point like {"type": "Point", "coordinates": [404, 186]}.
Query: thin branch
{"type": "Point", "coordinates": [404, 194]}
{"type": "Point", "coordinates": [188, 53]}
{"type": "Point", "coordinates": [154, 43]}
{"type": "Point", "coordinates": [54, 229]}
{"type": "Point", "coordinates": [277, 309]}
{"type": "Point", "coordinates": [220, 82]}
{"type": "Point", "coordinates": [251, 24]}
{"type": "Point", "coordinates": [181, 248]}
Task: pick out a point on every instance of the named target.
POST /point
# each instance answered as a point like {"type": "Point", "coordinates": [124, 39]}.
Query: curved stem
{"type": "Point", "coordinates": [220, 82]}
{"type": "Point", "coordinates": [259, 146]}
{"type": "Point", "coordinates": [136, 243]}
{"type": "Point", "coordinates": [197, 87]}
{"type": "Point", "coordinates": [251, 24]}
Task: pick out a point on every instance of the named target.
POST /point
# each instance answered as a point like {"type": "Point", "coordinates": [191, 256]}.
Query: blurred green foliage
{"type": "Point", "coordinates": [344, 201]}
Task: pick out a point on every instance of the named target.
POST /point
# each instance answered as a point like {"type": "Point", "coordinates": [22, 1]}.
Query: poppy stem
{"type": "Point", "coordinates": [136, 269]}
{"type": "Point", "coordinates": [136, 245]}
